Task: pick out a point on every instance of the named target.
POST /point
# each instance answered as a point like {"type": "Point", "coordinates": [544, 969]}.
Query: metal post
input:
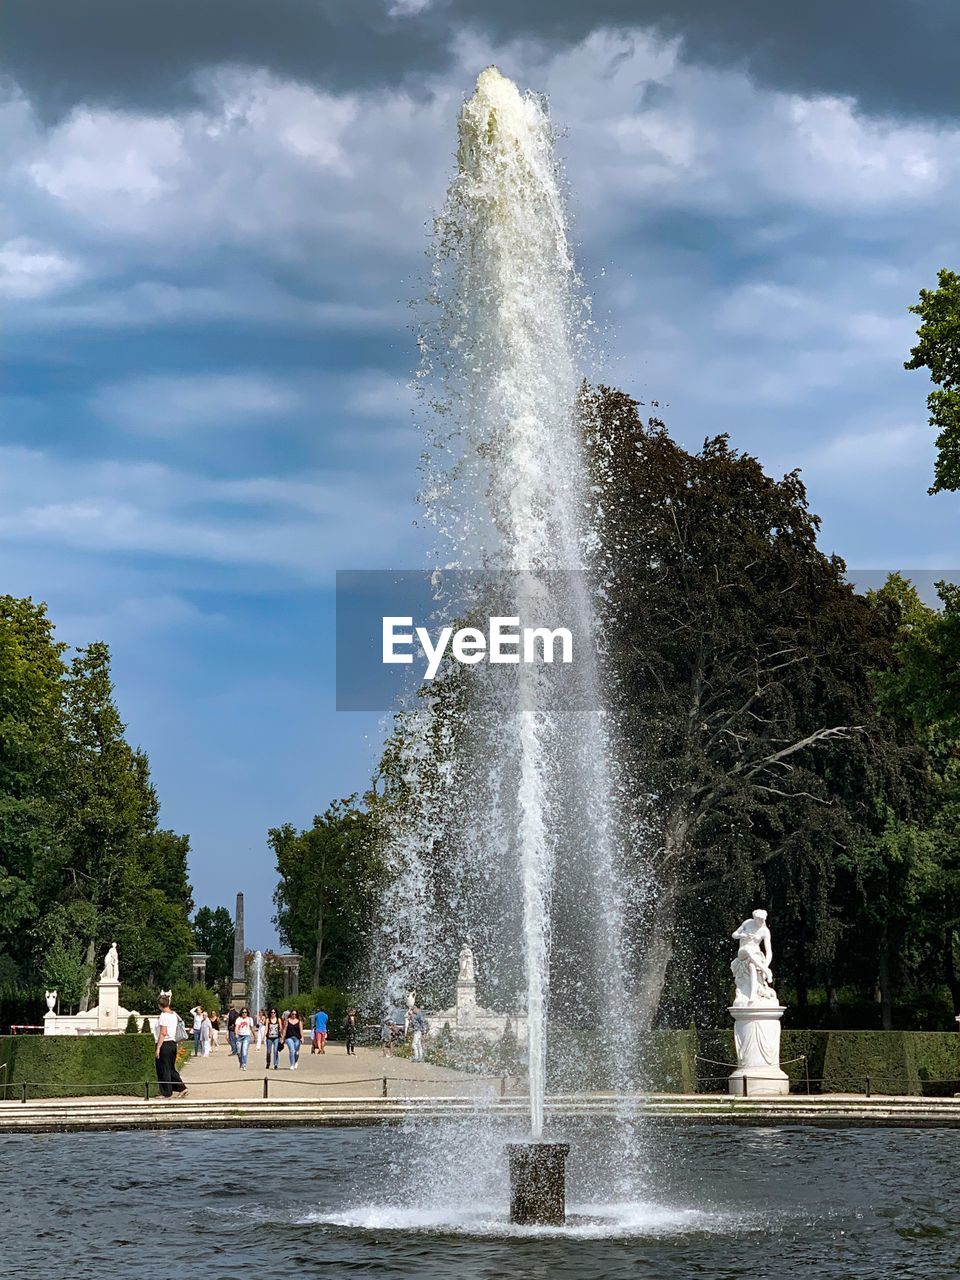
{"type": "Point", "coordinates": [384, 1086]}
{"type": "Point", "coordinates": [806, 1071]}
{"type": "Point", "coordinates": [266, 1086]}
{"type": "Point", "coordinates": [868, 1087]}
{"type": "Point", "coordinates": [146, 1090]}
{"type": "Point", "coordinates": [503, 1086]}
{"type": "Point", "coordinates": [744, 1080]}
{"type": "Point", "coordinates": [23, 1091]}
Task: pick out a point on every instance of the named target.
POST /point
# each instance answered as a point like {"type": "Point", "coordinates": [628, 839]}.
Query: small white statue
{"type": "Point", "coordinates": [467, 971]}
{"type": "Point", "coordinates": [411, 999]}
{"type": "Point", "coordinates": [166, 995]}
{"type": "Point", "coordinates": [751, 969]}
{"type": "Point", "coordinates": [51, 999]}
{"type": "Point", "coordinates": [111, 965]}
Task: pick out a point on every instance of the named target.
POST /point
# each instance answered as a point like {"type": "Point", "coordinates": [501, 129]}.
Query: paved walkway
{"type": "Point", "coordinates": [329, 1075]}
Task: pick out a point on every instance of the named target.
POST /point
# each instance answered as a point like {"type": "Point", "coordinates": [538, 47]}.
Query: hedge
{"type": "Point", "coordinates": [74, 1066]}
{"type": "Point", "coordinates": [897, 1062]}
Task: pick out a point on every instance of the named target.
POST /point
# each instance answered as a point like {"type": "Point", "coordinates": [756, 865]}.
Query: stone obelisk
{"type": "Point", "coordinates": [238, 987]}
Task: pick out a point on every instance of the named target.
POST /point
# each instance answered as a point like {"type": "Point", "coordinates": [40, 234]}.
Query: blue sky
{"type": "Point", "coordinates": [213, 226]}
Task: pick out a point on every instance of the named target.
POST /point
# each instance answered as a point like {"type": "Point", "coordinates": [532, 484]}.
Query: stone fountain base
{"type": "Point", "coordinates": [538, 1192]}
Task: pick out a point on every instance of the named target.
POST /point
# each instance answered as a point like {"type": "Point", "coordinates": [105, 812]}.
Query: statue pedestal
{"type": "Point", "coordinates": [757, 1033]}
{"type": "Point", "coordinates": [108, 1005]}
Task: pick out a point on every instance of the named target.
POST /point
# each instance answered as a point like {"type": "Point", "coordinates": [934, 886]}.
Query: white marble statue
{"type": "Point", "coordinates": [751, 969]}
{"type": "Point", "coordinates": [51, 999]}
{"type": "Point", "coordinates": [111, 965]}
{"type": "Point", "coordinates": [467, 970]}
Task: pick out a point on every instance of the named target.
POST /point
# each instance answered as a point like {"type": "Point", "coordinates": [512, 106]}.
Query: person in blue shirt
{"type": "Point", "coordinates": [320, 1021]}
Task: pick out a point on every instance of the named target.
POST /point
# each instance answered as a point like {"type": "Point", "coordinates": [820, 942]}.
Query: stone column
{"type": "Point", "coordinates": [108, 1005]}
{"type": "Point", "coordinates": [756, 1030]}
{"type": "Point", "coordinates": [291, 974]}
{"type": "Point", "coordinates": [198, 967]}
{"type": "Point", "coordinates": [466, 1004]}
{"type": "Point", "coordinates": [238, 987]}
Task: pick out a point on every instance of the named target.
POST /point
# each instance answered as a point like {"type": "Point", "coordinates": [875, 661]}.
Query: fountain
{"type": "Point", "coordinates": [257, 984]}
{"type": "Point", "coordinates": [510, 838]}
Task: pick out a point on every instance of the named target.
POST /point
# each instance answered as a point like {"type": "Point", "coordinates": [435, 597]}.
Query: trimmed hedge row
{"type": "Point", "coordinates": [74, 1066]}
{"type": "Point", "coordinates": [896, 1062]}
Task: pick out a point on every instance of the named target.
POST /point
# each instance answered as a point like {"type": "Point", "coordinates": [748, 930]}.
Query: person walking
{"type": "Point", "coordinates": [386, 1036]}
{"type": "Point", "coordinates": [243, 1030]}
{"type": "Point", "coordinates": [293, 1037]}
{"type": "Point", "coordinates": [261, 1027]}
{"type": "Point", "coordinates": [274, 1030]}
{"type": "Point", "coordinates": [418, 1025]}
{"type": "Point", "coordinates": [350, 1032]}
{"type": "Point", "coordinates": [232, 1017]}
{"type": "Point", "coordinates": [320, 1021]}
{"type": "Point", "coordinates": [215, 1028]}
{"type": "Point", "coordinates": [197, 1015]}
{"type": "Point", "coordinates": [167, 1031]}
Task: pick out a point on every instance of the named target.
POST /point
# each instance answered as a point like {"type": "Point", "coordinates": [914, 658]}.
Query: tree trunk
{"type": "Point", "coordinates": [886, 1002]}
{"type": "Point", "coordinates": [89, 961]}
{"type": "Point", "coordinates": [950, 969]}
{"type": "Point", "coordinates": [659, 951]}
{"type": "Point", "coordinates": [318, 952]}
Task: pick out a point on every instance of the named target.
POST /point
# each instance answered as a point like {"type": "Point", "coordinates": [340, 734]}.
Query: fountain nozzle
{"type": "Point", "coordinates": [538, 1193]}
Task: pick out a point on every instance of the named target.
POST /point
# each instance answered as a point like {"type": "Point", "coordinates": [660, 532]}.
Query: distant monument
{"type": "Point", "coordinates": [467, 1018]}
{"type": "Point", "coordinates": [107, 1018]}
{"type": "Point", "coordinates": [756, 1013]}
{"type": "Point", "coordinates": [238, 986]}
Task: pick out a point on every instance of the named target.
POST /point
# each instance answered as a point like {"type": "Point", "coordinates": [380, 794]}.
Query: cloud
{"type": "Point", "coordinates": [169, 404]}
{"type": "Point", "coordinates": [292, 524]}
{"type": "Point", "coordinates": [30, 270]}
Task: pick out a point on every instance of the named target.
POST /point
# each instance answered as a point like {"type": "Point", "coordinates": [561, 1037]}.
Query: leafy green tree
{"type": "Point", "coordinates": [66, 972]}
{"type": "Point", "coordinates": [213, 933]}
{"type": "Point", "coordinates": [31, 762]}
{"type": "Point", "coordinates": [329, 876]}
{"type": "Point", "coordinates": [938, 350]}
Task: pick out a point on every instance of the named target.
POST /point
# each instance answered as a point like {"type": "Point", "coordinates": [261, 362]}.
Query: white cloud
{"type": "Point", "coordinates": [169, 404]}
{"type": "Point", "coordinates": [408, 8]}
{"type": "Point", "coordinates": [302, 526]}
{"type": "Point", "coordinates": [30, 270]}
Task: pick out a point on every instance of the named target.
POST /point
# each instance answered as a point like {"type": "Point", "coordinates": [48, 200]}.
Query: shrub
{"type": "Point", "coordinates": [76, 1066]}
{"type": "Point", "coordinates": [131, 1029]}
{"type": "Point", "coordinates": [145, 1027]}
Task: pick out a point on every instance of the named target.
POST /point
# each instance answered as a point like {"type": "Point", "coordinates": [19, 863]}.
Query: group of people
{"type": "Point", "coordinates": [269, 1029]}
{"type": "Point", "coordinates": [273, 1031]}
{"type": "Point", "coordinates": [415, 1023]}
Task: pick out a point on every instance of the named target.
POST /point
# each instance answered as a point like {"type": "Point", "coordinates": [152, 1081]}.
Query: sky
{"type": "Point", "coordinates": [214, 219]}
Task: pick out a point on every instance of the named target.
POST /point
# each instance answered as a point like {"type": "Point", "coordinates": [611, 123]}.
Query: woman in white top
{"type": "Point", "coordinates": [243, 1030]}
{"type": "Point", "coordinates": [166, 1033]}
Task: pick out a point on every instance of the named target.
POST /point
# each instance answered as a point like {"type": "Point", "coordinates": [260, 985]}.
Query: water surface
{"type": "Point", "coordinates": [716, 1203]}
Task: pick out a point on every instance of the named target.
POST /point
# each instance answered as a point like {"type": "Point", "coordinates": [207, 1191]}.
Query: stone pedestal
{"type": "Point", "coordinates": [466, 1004]}
{"type": "Point", "coordinates": [538, 1191]}
{"type": "Point", "coordinates": [108, 1005]}
{"type": "Point", "coordinates": [757, 1033]}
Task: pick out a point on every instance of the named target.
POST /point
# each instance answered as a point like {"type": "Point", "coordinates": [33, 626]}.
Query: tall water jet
{"type": "Point", "coordinates": [257, 983]}
{"type": "Point", "coordinates": [508, 838]}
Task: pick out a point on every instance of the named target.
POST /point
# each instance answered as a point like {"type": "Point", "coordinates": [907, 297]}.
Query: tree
{"type": "Point", "coordinates": [31, 761]}
{"type": "Point", "coordinates": [213, 933]}
{"type": "Point", "coordinates": [329, 876]}
{"type": "Point", "coordinates": [742, 660]}
{"type": "Point", "coordinates": [938, 350]}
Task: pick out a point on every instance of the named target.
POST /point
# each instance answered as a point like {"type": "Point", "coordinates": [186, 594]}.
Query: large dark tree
{"type": "Point", "coordinates": [747, 711]}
